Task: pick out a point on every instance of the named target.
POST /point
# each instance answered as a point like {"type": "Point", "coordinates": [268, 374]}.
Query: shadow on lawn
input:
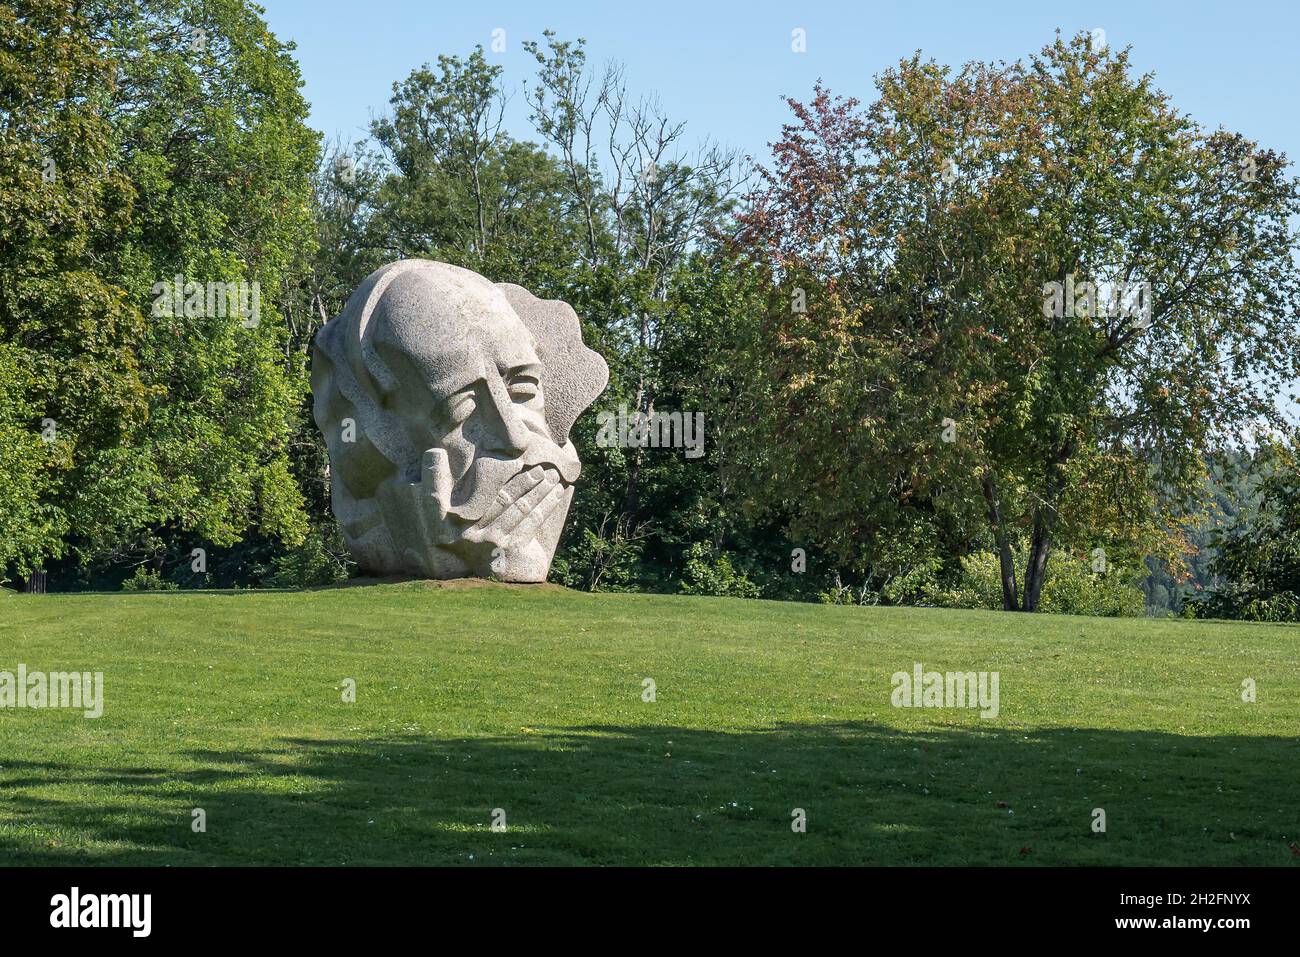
{"type": "Point", "coordinates": [670, 795]}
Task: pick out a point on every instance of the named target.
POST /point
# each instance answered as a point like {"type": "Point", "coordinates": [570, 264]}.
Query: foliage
{"type": "Point", "coordinates": [606, 556]}
{"type": "Point", "coordinates": [1232, 497]}
{"type": "Point", "coordinates": [1257, 567]}
{"type": "Point", "coordinates": [911, 364]}
{"type": "Point", "coordinates": [178, 147]}
{"type": "Point", "coordinates": [712, 573]}
{"type": "Point", "coordinates": [148, 579]}
{"type": "Point", "coordinates": [879, 294]}
{"type": "Point", "coordinates": [71, 390]}
{"type": "Point", "coordinates": [1072, 587]}
{"type": "Point", "coordinates": [313, 562]}
{"type": "Point", "coordinates": [29, 525]}
{"type": "Point", "coordinates": [905, 574]}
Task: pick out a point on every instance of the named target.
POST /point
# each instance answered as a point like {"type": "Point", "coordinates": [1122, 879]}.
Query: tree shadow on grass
{"type": "Point", "coordinates": [670, 795]}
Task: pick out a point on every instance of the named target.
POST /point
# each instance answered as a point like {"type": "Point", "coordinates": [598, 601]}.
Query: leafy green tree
{"type": "Point", "coordinates": [452, 185]}
{"type": "Point", "coordinates": [179, 148]}
{"type": "Point", "coordinates": [212, 129]}
{"type": "Point", "coordinates": [72, 392]}
{"type": "Point", "coordinates": [645, 205]}
{"type": "Point", "coordinates": [924, 360]}
{"type": "Point", "coordinates": [1256, 568]}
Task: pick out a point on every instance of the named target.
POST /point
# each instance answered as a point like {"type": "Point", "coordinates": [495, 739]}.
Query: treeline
{"type": "Point", "coordinates": [996, 339]}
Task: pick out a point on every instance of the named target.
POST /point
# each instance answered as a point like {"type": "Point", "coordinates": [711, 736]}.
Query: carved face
{"type": "Point", "coordinates": [457, 468]}
{"type": "Point", "coordinates": [489, 414]}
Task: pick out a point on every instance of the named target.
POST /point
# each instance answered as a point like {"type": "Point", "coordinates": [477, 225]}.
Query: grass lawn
{"type": "Point", "coordinates": [473, 698]}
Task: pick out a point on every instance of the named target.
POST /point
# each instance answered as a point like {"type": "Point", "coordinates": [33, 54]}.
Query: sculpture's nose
{"type": "Point", "coordinates": [507, 431]}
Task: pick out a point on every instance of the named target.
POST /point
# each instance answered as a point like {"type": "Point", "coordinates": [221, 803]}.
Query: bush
{"type": "Point", "coordinates": [910, 585]}
{"type": "Point", "coordinates": [1280, 606]}
{"type": "Point", "coordinates": [606, 557]}
{"type": "Point", "coordinates": [1245, 601]}
{"type": "Point", "coordinates": [310, 564]}
{"type": "Point", "coordinates": [1072, 588]}
{"type": "Point", "coordinates": [904, 573]}
{"type": "Point", "coordinates": [712, 573]}
{"type": "Point", "coordinates": [148, 579]}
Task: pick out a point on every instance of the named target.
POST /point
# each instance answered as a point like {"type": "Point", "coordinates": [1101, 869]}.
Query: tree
{"type": "Point", "coordinates": [1038, 301]}
{"type": "Point", "coordinates": [644, 205]}
{"type": "Point", "coordinates": [450, 184]}
{"type": "Point", "coordinates": [71, 387]}
{"type": "Point", "coordinates": [178, 139]}
{"type": "Point", "coordinates": [1256, 565]}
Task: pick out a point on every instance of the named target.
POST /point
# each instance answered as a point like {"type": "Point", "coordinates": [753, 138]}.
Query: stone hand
{"type": "Point", "coordinates": [521, 506]}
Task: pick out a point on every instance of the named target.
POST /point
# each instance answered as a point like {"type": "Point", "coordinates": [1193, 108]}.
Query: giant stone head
{"type": "Point", "coordinates": [446, 403]}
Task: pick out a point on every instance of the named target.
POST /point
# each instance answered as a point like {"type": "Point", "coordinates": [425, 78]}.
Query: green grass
{"type": "Point", "coordinates": [530, 700]}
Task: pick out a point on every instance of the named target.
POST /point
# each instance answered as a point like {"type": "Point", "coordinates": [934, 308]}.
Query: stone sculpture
{"type": "Point", "coordinates": [446, 402]}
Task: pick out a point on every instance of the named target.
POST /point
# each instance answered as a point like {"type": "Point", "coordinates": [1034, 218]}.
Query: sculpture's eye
{"type": "Point", "coordinates": [461, 406]}
{"type": "Point", "coordinates": [524, 388]}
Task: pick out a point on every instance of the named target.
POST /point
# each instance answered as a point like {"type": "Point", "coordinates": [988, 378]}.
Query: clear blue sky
{"type": "Point", "coordinates": [723, 67]}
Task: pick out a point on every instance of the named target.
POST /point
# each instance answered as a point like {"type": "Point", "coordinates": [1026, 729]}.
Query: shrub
{"type": "Point", "coordinates": [309, 564]}
{"type": "Point", "coordinates": [148, 579]}
{"type": "Point", "coordinates": [607, 556]}
{"type": "Point", "coordinates": [713, 573]}
{"type": "Point", "coordinates": [911, 584]}
{"type": "Point", "coordinates": [1071, 588]}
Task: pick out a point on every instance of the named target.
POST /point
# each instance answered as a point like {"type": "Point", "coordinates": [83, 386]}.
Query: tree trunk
{"type": "Point", "coordinates": [645, 395]}
{"type": "Point", "coordinates": [1040, 549]}
{"type": "Point", "coordinates": [1040, 546]}
{"type": "Point", "coordinates": [1006, 561]}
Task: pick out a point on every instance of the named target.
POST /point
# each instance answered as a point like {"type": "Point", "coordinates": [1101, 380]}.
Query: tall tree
{"type": "Point", "coordinates": [176, 131]}
{"type": "Point", "coordinates": [1038, 300]}
{"type": "Point", "coordinates": [645, 203]}
{"type": "Point", "coordinates": [71, 388]}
